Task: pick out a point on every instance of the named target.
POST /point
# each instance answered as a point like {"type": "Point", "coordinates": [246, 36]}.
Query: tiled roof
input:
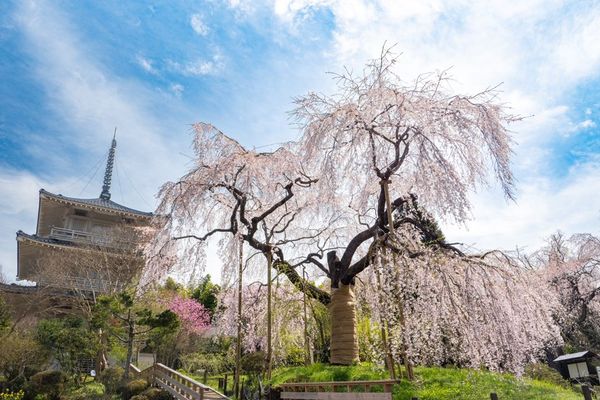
{"type": "Point", "coordinates": [14, 288]}
{"type": "Point", "coordinates": [573, 356]}
{"type": "Point", "coordinates": [44, 240]}
{"type": "Point", "coordinates": [97, 203]}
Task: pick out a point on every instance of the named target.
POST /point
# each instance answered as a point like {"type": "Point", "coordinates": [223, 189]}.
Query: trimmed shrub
{"type": "Point", "coordinates": [543, 372]}
{"type": "Point", "coordinates": [254, 362]}
{"type": "Point", "coordinates": [49, 384]}
{"type": "Point", "coordinates": [111, 379]}
{"type": "Point", "coordinates": [156, 394]}
{"type": "Point", "coordinates": [133, 388]}
{"type": "Point", "coordinates": [139, 397]}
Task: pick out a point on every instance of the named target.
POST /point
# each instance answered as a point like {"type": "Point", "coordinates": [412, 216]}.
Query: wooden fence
{"type": "Point", "coordinates": [178, 385]}
{"type": "Point", "coordinates": [585, 389]}
{"type": "Point", "coordinates": [359, 390]}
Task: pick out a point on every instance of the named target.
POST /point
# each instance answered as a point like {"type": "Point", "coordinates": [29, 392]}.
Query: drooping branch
{"type": "Point", "coordinates": [300, 283]}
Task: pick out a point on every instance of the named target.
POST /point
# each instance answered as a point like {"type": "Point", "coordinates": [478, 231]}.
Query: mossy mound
{"type": "Point", "coordinates": [436, 383]}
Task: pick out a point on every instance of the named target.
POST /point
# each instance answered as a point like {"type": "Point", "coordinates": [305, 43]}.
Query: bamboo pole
{"type": "Point", "coordinates": [306, 341]}
{"type": "Point", "coordinates": [238, 355]}
{"type": "Point", "coordinates": [269, 315]}
{"type": "Point", "coordinates": [388, 203]}
{"type": "Point", "coordinates": [389, 360]}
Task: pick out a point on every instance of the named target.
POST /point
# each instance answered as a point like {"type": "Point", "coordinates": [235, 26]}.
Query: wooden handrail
{"type": "Point", "coordinates": [180, 375]}
{"type": "Point", "coordinates": [340, 383]}
{"type": "Point", "coordinates": [134, 369]}
{"type": "Point", "coordinates": [179, 385]}
{"type": "Point", "coordinates": [320, 386]}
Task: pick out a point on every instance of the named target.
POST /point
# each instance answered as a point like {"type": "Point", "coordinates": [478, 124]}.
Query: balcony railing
{"type": "Point", "coordinates": [71, 235]}
{"type": "Point", "coordinates": [86, 284]}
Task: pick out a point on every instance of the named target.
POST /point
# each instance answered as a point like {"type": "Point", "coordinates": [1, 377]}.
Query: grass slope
{"type": "Point", "coordinates": [435, 383]}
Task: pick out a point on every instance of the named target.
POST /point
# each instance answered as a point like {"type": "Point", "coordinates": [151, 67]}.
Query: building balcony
{"type": "Point", "coordinates": [89, 238]}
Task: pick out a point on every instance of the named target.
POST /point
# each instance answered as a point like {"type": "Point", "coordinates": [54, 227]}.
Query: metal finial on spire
{"type": "Point", "coordinates": [109, 167]}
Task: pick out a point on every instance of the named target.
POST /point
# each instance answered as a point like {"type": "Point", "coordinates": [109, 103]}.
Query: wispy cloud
{"type": "Point", "coordinates": [177, 89]}
{"type": "Point", "coordinates": [544, 205]}
{"type": "Point", "coordinates": [198, 25]}
{"type": "Point", "coordinates": [586, 124]}
{"type": "Point", "coordinates": [197, 67]}
{"type": "Point", "coordinates": [146, 64]}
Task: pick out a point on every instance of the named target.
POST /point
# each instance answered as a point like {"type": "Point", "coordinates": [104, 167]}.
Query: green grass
{"type": "Point", "coordinates": [435, 383]}
{"type": "Point", "coordinates": [327, 373]}
{"type": "Point", "coordinates": [90, 389]}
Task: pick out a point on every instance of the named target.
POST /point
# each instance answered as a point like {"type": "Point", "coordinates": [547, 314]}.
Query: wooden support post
{"type": "Point", "coordinates": [305, 317]}
{"type": "Point", "coordinates": [269, 315]}
{"type": "Point", "coordinates": [205, 376]}
{"type": "Point", "coordinates": [238, 355]}
{"type": "Point", "coordinates": [587, 392]}
{"type": "Point", "coordinates": [225, 385]}
{"type": "Point", "coordinates": [407, 364]}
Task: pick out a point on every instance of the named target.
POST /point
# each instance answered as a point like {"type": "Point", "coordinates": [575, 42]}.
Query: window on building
{"type": "Point", "coordinates": [578, 370]}
{"type": "Point", "coordinates": [81, 213]}
{"type": "Point", "coordinates": [79, 224]}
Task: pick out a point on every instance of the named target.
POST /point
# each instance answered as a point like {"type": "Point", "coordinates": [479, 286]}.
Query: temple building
{"type": "Point", "coordinates": [84, 245]}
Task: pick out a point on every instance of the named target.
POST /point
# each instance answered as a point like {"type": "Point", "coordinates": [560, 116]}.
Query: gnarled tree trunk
{"type": "Point", "coordinates": [344, 340]}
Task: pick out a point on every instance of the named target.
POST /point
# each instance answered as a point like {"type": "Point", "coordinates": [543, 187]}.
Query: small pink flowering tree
{"type": "Point", "coordinates": [194, 318]}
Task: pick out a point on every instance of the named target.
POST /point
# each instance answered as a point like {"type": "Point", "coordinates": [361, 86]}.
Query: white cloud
{"type": "Point", "coordinates": [543, 207]}
{"type": "Point", "coordinates": [586, 124]}
{"type": "Point", "coordinates": [177, 89]}
{"type": "Point", "coordinates": [198, 67]}
{"type": "Point", "coordinates": [146, 64]}
{"type": "Point", "coordinates": [198, 25]}
{"type": "Point", "coordinates": [18, 208]}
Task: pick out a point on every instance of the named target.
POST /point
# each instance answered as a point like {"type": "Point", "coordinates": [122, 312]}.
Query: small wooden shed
{"type": "Point", "coordinates": [579, 366]}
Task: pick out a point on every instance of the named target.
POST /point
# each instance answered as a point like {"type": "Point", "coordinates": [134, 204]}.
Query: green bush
{"type": "Point", "coordinates": [254, 362]}
{"type": "Point", "coordinates": [294, 355]}
{"type": "Point", "coordinates": [214, 363]}
{"type": "Point", "coordinates": [139, 397]}
{"type": "Point", "coordinates": [7, 395]}
{"type": "Point", "coordinates": [133, 388]}
{"type": "Point", "coordinates": [543, 372]}
{"type": "Point", "coordinates": [48, 384]}
{"type": "Point", "coordinates": [111, 379]}
{"type": "Point", "coordinates": [156, 394]}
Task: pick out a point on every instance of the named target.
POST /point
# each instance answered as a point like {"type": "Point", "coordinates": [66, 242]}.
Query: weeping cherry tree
{"type": "Point", "coordinates": [343, 198]}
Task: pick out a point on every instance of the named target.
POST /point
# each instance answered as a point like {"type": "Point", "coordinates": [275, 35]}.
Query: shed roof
{"type": "Point", "coordinates": [574, 356]}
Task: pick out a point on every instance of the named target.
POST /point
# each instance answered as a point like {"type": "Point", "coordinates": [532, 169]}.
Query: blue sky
{"type": "Point", "coordinates": [72, 71]}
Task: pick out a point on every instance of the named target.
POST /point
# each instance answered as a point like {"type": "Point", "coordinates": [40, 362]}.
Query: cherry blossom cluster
{"type": "Point", "coordinates": [194, 318]}
{"type": "Point", "coordinates": [486, 311]}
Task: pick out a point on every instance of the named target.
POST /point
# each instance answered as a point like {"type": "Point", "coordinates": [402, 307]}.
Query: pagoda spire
{"type": "Point", "coordinates": [109, 167]}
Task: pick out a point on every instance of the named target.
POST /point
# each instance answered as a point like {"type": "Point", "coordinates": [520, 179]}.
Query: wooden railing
{"type": "Point", "coordinates": [85, 237]}
{"type": "Point", "coordinates": [359, 390]}
{"type": "Point", "coordinates": [178, 385]}
{"type": "Point", "coordinates": [72, 235]}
